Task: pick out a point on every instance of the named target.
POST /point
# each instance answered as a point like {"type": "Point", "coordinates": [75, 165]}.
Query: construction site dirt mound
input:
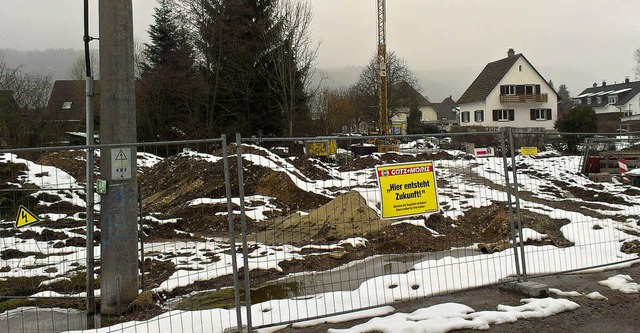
{"type": "Point", "coordinates": [172, 185]}
{"type": "Point", "coordinates": [311, 168]}
{"type": "Point", "coordinates": [346, 216]}
{"type": "Point", "coordinates": [370, 161]}
{"type": "Point", "coordinates": [174, 182]}
{"type": "Point", "coordinates": [73, 162]}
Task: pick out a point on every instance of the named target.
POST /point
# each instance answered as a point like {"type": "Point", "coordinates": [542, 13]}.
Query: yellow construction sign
{"type": "Point", "coordinates": [322, 148]}
{"type": "Point", "coordinates": [407, 189]}
{"type": "Point", "coordinates": [25, 217]}
{"type": "Point", "coordinates": [533, 151]}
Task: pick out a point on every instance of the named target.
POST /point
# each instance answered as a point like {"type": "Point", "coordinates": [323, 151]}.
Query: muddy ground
{"type": "Point", "coordinates": [168, 187]}
{"type": "Point", "coordinates": [620, 313]}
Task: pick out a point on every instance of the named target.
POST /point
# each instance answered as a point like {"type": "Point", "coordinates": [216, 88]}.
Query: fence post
{"type": "Point", "coordinates": [509, 202]}
{"type": "Point", "coordinates": [140, 217]}
{"type": "Point", "coordinates": [585, 155]}
{"type": "Point", "coordinates": [91, 299]}
{"type": "Point", "coordinates": [514, 169]}
{"type": "Point", "coordinates": [232, 234]}
{"type": "Point", "coordinates": [243, 220]}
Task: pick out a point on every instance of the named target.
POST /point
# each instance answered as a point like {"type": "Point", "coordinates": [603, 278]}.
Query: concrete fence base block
{"type": "Point", "coordinates": [529, 288]}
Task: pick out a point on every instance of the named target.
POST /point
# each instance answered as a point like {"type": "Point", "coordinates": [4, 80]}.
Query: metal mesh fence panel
{"type": "Point", "coordinates": [317, 245]}
{"type": "Point", "coordinates": [42, 244]}
{"type": "Point", "coordinates": [577, 210]}
{"type": "Point", "coordinates": [276, 231]}
{"type": "Point", "coordinates": [189, 263]}
{"type": "Point", "coordinates": [185, 231]}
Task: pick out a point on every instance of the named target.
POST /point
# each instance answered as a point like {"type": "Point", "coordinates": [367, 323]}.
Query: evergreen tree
{"type": "Point", "coordinates": [166, 90]}
{"type": "Point", "coordinates": [580, 119]}
{"type": "Point", "coordinates": [414, 121]}
{"type": "Point", "coordinates": [565, 103]}
{"type": "Point", "coordinates": [231, 37]}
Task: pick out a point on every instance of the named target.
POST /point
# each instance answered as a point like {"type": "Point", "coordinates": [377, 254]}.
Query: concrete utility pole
{"type": "Point", "coordinates": [119, 247]}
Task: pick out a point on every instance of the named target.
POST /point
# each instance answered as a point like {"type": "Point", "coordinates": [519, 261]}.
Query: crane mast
{"type": "Point", "coordinates": [383, 111]}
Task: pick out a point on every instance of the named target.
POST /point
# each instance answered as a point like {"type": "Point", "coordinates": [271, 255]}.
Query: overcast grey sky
{"type": "Point", "coordinates": [593, 38]}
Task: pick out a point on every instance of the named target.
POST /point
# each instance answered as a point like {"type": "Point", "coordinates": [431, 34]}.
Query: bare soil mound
{"type": "Point", "coordinates": [310, 168]}
{"type": "Point", "coordinates": [73, 162]}
{"type": "Point", "coordinates": [365, 162]}
{"type": "Point", "coordinates": [173, 183]}
{"type": "Point", "coordinates": [348, 215]}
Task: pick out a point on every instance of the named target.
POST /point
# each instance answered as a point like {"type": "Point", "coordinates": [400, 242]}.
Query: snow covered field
{"type": "Point", "coordinates": [596, 231]}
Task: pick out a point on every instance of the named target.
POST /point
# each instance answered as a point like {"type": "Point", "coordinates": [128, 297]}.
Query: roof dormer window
{"type": "Point", "coordinates": [66, 105]}
{"type": "Point", "coordinates": [613, 99]}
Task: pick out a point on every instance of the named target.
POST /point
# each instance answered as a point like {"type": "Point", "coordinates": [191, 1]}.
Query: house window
{"type": "Point", "coordinates": [508, 90]}
{"type": "Point", "coordinates": [541, 114]}
{"type": "Point", "coordinates": [588, 100]}
{"type": "Point", "coordinates": [66, 105]}
{"type": "Point", "coordinates": [520, 68]}
{"type": "Point", "coordinates": [529, 89]}
{"type": "Point", "coordinates": [599, 99]}
{"type": "Point", "coordinates": [504, 115]}
{"type": "Point", "coordinates": [478, 116]}
{"type": "Point", "coordinates": [613, 99]}
{"type": "Point", "coordinates": [465, 116]}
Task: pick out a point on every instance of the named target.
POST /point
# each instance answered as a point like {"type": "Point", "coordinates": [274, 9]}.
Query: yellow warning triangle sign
{"type": "Point", "coordinates": [25, 217]}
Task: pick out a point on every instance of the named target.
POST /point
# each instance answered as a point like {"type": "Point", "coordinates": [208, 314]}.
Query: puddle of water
{"type": "Point", "coordinates": [277, 291]}
{"type": "Point", "coordinates": [225, 298]}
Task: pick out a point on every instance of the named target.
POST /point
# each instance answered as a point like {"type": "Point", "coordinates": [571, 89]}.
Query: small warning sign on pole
{"type": "Point", "coordinates": [121, 164]}
{"type": "Point", "coordinates": [407, 189]}
{"type": "Point", "coordinates": [25, 217]}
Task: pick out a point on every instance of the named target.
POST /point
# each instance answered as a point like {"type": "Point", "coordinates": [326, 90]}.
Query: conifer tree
{"type": "Point", "coordinates": [166, 94]}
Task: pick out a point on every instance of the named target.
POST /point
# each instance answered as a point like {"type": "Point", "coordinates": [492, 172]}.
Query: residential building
{"type": "Point", "coordinates": [509, 92]}
{"type": "Point", "coordinates": [66, 110]}
{"type": "Point", "coordinates": [410, 98]}
{"type": "Point", "coordinates": [447, 112]}
{"type": "Point", "coordinates": [617, 105]}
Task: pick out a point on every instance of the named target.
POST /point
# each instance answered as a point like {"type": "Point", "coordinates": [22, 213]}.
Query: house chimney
{"type": "Point", "coordinates": [604, 83]}
{"type": "Point", "coordinates": [595, 84]}
{"type": "Point", "coordinates": [511, 53]}
{"type": "Point", "coordinates": [626, 79]}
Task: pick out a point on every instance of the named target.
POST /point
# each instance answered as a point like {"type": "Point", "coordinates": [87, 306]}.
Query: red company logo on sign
{"type": "Point", "coordinates": [405, 171]}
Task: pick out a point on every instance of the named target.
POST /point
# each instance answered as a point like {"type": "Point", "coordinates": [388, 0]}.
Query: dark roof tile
{"type": "Point", "coordinates": [65, 92]}
{"type": "Point", "coordinates": [623, 97]}
{"type": "Point", "coordinates": [409, 96]}
{"type": "Point", "coordinates": [488, 79]}
{"type": "Point", "coordinates": [445, 109]}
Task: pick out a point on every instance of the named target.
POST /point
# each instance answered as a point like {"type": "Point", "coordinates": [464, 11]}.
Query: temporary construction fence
{"type": "Point", "coordinates": [266, 232]}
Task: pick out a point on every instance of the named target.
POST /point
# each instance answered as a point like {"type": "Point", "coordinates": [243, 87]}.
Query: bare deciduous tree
{"type": "Point", "coordinates": [293, 56]}
{"type": "Point", "coordinates": [20, 114]}
{"type": "Point", "coordinates": [365, 90]}
{"type": "Point", "coordinates": [77, 70]}
{"type": "Point", "coordinates": [31, 91]}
